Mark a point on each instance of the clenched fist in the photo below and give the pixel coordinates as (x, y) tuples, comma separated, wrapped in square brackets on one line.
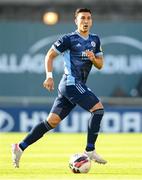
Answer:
[(49, 84)]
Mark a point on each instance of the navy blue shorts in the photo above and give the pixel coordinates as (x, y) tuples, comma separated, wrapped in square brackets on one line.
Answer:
[(73, 95)]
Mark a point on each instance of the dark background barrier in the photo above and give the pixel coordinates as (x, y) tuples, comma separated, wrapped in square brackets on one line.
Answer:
[(116, 119)]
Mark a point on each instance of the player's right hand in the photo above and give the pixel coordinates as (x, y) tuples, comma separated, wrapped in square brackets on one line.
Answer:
[(49, 84)]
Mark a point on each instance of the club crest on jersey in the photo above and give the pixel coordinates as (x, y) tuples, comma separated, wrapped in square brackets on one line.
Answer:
[(93, 43)]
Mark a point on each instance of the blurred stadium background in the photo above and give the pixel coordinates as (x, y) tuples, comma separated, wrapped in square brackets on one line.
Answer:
[(27, 30)]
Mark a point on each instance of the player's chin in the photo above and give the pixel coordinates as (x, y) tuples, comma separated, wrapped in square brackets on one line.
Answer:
[(85, 30)]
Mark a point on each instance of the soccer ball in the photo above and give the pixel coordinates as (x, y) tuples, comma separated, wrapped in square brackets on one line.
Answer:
[(79, 163)]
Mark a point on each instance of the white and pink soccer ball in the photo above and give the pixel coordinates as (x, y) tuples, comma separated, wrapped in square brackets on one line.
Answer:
[(79, 163)]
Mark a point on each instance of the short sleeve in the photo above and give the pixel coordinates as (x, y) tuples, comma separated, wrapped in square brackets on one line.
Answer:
[(62, 44), (98, 50)]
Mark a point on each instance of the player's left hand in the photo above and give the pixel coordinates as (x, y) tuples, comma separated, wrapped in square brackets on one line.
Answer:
[(90, 55)]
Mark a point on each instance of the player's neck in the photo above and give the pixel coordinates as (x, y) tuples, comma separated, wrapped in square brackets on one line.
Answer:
[(84, 34)]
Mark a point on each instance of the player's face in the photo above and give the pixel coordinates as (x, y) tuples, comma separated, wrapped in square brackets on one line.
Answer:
[(83, 22)]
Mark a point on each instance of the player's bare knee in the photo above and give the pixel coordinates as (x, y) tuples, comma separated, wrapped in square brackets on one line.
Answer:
[(97, 107), (53, 119), (53, 123)]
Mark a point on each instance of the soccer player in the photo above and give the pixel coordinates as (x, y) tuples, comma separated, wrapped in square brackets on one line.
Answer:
[(81, 51)]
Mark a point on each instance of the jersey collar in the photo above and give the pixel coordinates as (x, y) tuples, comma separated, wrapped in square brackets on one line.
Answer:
[(85, 38)]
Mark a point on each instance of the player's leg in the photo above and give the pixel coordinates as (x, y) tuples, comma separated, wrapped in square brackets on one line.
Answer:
[(59, 111), (85, 98), (35, 134), (39, 130), (97, 112)]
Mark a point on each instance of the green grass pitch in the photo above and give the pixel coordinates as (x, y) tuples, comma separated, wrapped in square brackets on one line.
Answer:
[(48, 158)]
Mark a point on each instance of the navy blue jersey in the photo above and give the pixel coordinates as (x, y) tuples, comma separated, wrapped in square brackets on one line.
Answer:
[(76, 64)]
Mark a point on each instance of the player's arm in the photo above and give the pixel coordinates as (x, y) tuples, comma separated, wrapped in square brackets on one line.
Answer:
[(57, 48), (49, 82), (96, 60), (97, 56)]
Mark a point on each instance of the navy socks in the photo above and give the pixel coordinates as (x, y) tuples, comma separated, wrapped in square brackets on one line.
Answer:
[(93, 129), (40, 129), (36, 133)]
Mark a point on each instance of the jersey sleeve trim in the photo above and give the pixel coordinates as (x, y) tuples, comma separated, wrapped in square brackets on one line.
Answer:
[(57, 51), (99, 54)]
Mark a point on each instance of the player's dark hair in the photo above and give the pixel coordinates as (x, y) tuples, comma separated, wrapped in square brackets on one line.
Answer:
[(79, 10)]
